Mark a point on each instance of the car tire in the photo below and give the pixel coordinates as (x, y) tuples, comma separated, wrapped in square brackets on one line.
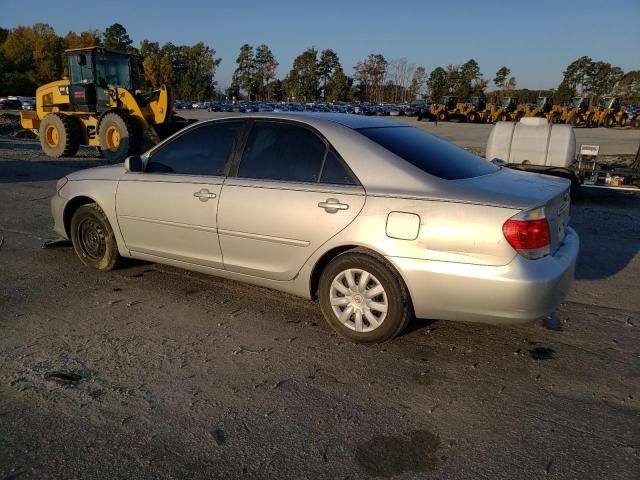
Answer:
[(363, 318), (59, 135), (119, 136), (93, 239)]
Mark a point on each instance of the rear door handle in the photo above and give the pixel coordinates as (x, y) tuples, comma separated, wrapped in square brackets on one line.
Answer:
[(332, 205), (204, 195)]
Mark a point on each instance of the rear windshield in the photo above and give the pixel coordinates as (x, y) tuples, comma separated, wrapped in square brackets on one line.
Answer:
[(429, 153)]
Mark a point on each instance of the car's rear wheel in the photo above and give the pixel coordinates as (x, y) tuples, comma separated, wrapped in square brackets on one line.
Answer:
[(93, 238), (363, 299)]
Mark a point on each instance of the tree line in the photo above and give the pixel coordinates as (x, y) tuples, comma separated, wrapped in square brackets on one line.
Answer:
[(32, 56)]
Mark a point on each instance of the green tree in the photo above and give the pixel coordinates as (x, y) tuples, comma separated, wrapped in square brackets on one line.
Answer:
[(246, 70), (437, 84), (90, 38), (369, 74), (265, 71), (302, 81), (576, 73), (468, 77), (601, 78), (418, 84), (501, 77), (338, 86), (327, 66), (116, 38), (628, 87)]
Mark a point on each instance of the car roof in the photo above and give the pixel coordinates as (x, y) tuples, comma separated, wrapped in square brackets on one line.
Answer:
[(316, 118)]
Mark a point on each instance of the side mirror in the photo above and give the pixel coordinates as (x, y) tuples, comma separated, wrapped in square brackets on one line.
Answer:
[(133, 164)]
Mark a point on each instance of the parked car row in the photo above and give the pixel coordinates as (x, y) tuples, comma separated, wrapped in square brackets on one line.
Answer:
[(338, 107), (17, 103)]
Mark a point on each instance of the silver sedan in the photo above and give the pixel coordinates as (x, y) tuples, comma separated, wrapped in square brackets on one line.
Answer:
[(378, 220)]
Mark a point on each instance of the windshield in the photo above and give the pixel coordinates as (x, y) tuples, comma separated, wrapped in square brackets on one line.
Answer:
[(113, 70), (429, 153), (541, 102), (577, 102)]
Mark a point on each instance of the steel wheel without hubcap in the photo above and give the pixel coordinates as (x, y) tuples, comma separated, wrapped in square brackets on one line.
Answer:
[(92, 239), (358, 300)]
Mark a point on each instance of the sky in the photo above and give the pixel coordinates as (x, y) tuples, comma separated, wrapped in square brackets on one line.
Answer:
[(536, 40)]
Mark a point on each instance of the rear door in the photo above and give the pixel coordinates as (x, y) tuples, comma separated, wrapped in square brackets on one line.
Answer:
[(291, 192), (170, 210)]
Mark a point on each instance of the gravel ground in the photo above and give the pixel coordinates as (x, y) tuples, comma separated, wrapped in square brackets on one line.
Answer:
[(152, 372)]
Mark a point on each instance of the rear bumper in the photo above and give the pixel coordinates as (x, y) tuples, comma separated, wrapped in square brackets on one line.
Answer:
[(522, 291)]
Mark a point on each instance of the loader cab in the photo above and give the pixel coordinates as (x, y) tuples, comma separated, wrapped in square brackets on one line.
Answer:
[(581, 104), (92, 73), (510, 103), (479, 103), (544, 104), (449, 102), (610, 103)]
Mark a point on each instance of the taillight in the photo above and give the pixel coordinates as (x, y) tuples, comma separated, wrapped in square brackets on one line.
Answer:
[(528, 233)]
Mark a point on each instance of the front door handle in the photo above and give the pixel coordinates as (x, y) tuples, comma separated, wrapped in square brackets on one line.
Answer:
[(204, 195), (332, 205)]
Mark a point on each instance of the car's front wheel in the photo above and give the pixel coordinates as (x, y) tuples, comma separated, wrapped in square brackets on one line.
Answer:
[(93, 238), (363, 299)]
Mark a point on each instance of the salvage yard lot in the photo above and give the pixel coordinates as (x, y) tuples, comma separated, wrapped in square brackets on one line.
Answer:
[(181, 375)]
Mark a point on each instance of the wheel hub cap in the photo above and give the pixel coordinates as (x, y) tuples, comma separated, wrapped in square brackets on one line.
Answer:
[(358, 300)]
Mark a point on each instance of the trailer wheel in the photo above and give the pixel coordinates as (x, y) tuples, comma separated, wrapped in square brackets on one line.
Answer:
[(59, 135), (119, 136)]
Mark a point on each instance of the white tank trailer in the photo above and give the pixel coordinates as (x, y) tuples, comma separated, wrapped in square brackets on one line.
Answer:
[(535, 145)]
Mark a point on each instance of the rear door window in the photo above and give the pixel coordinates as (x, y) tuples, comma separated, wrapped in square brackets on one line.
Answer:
[(429, 153), (203, 150), (282, 151)]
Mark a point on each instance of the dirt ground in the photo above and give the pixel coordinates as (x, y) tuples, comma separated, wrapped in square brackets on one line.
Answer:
[(151, 372)]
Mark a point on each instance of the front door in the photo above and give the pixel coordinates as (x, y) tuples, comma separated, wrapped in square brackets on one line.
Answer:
[(290, 195), (170, 210)]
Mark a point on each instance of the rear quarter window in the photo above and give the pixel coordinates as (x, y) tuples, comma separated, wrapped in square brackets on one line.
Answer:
[(429, 153)]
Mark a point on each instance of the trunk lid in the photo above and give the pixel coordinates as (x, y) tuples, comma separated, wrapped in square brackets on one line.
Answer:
[(523, 191)]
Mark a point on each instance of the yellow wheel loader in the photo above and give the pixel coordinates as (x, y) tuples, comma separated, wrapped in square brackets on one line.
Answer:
[(97, 106), (543, 106), (441, 111), (610, 113), (504, 111), (578, 112)]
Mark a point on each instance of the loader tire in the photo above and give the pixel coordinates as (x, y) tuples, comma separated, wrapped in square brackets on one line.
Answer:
[(119, 136), (59, 135), (610, 122), (442, 117), (472, 118), (575, 121)]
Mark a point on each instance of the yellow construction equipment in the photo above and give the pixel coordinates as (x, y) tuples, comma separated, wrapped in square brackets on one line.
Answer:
[(543, 106), (610, 113), (578, 112), (503, 111), (440, 111), (97, 106)]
